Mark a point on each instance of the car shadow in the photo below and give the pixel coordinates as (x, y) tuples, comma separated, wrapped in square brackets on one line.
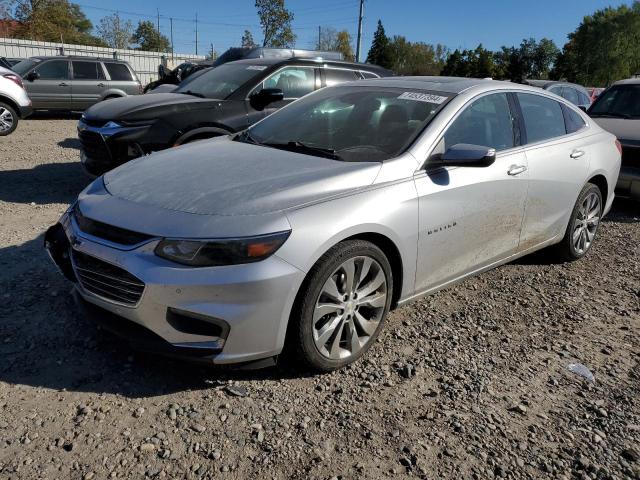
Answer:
[(47, 343), (42, 184), (72, 143), (54, 115)]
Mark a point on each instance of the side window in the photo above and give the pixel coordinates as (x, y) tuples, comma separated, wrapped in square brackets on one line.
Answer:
[(335, 76), (571, 94), (572, 120), (584, 99), (557, 90), (54, 70), (543, 117), (118, 72), (294, 82), (87, 70), (486, 122), (368, 74)]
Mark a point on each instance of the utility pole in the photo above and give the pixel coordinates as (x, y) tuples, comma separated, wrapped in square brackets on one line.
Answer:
[(171, 23), (196, 33), (213, 53), (319, 35), (358, 46), (158, 10)]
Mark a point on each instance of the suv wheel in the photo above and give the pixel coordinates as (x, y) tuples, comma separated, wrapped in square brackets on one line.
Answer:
[(343, 305), (8, 119)]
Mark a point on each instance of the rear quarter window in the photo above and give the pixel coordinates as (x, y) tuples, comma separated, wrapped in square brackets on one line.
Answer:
[(543, 117), (119, 72), (573, 121)]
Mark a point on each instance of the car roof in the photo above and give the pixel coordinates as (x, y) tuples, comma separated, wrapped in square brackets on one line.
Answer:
[(453, 85), (309, 61), (77, 57), (629, 81), (547, 83)]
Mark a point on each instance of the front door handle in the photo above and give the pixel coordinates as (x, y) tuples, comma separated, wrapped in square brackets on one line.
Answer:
[(516, 170), (576, 153), (63, 84)]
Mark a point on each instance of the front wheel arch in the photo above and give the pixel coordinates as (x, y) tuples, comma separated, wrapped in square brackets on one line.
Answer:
[(201, 134)]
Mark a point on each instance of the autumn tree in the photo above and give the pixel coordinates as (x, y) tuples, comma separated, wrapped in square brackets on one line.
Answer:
[(333, 41), (115, 31), (275, 20)]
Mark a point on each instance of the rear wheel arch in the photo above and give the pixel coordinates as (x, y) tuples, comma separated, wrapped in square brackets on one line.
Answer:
[(11, 103), (600, 181)]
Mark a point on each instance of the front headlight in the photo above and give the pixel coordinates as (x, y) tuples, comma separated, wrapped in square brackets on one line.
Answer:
[(213, 253)]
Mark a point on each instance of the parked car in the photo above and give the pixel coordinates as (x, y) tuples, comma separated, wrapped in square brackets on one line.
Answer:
[(306, 228), (9, 62), (617, 110), (219, 101), (242, 53), (576, 94), (174, 77), (75, 83), (14, 101)]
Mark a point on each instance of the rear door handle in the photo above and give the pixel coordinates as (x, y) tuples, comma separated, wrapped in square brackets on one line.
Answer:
[(576, 153), (101, 85), (516, 170), (63, 84)]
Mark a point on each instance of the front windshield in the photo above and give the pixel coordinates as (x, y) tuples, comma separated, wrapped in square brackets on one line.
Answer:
[(619, 101), (350, 123), (24, 66), (222, 81)]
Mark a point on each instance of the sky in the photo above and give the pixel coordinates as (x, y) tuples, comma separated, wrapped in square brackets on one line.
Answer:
[(456, 24)]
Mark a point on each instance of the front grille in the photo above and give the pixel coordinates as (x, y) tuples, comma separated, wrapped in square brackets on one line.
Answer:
[(106, 280), (94, 146), (630, 156), (118, 235)]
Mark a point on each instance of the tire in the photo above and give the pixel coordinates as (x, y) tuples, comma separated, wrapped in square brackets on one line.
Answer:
[(8, 119), (583, 225), (327, 342)]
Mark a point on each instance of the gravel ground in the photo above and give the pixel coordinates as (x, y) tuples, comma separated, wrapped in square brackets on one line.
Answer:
[(469, 383)]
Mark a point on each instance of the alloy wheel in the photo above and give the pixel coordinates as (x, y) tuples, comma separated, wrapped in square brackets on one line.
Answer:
[(349, 308), (6, 119), (586, 223)]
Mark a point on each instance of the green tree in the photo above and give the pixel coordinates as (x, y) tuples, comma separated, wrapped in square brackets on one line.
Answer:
[(417, 58), (456, 65), (149, 38), (275, 20), (604, 48), (380, 53), (115, 31), (51, 21), (247, 40)]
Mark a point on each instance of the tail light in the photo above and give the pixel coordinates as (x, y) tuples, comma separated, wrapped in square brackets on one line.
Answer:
[(619, 146), (14, 78)]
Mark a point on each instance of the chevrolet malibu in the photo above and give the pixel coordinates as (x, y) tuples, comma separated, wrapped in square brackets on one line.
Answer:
[(302, 232)]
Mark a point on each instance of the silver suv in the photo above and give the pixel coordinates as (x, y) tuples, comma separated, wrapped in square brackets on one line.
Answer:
[(14, 101), (75, 83)]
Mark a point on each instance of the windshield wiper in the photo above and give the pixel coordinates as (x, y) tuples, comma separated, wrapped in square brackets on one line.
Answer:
[(297, 146), (246, 137), (195, 94), (611, 114)]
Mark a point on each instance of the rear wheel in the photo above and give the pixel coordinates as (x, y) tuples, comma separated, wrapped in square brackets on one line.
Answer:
[(343, 305), (8, 119), (583, 224)]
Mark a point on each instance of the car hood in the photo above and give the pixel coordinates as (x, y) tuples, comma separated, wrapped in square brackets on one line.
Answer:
[(224, 177), (142, 107), (624, 129)]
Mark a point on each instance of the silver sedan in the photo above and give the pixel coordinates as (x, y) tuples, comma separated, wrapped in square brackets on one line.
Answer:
[(302, 232)]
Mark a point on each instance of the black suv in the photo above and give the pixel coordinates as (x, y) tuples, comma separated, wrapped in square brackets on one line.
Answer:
[(220, 101)]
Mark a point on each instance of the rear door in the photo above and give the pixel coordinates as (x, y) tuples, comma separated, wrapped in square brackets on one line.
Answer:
[(558, 160), (335, 76), (88, 83), (52, 88)]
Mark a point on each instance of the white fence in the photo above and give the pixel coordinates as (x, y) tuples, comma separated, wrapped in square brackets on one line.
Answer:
[(144, 63)]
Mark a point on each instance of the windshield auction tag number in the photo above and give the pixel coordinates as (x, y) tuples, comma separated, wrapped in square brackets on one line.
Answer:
[(256, 67), (422, 97)]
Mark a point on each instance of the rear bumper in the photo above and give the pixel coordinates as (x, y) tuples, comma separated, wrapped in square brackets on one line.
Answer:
[(26, 111), (629, 182)]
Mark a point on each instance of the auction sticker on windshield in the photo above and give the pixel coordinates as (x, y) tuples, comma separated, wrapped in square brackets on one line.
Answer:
[(422, 97)]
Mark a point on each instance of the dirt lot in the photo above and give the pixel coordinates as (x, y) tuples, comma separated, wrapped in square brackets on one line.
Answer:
[(469, 383)]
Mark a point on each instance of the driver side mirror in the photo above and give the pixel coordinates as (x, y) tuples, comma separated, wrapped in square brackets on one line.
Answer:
[(33, 75), (264, 97), (464, 155)]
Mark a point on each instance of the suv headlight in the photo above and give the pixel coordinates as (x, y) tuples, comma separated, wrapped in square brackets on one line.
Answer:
[(213, 253)]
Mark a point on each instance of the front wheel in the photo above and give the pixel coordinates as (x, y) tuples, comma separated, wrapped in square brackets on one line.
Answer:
[(343, 305), (583, 224), (8, 119)]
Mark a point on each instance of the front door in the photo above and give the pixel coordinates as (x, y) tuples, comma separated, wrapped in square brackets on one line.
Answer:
[(472, 217), (52, 88)]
